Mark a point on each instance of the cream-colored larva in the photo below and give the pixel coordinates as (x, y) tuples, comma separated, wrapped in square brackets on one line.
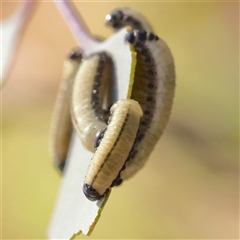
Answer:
[(111, 154), (61, 128), (90, 87), (153, 88)]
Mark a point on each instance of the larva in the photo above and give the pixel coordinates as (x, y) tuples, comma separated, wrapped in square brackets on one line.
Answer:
[(153, 88), (61, 128), (112, 152), (90, 87)]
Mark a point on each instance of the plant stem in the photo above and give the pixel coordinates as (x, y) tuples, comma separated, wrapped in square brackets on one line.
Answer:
[(77, 26)]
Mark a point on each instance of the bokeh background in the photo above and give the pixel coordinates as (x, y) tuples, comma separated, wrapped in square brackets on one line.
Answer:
[(189, 188)]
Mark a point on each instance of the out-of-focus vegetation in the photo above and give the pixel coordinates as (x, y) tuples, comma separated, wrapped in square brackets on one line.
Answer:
[(189, 187)]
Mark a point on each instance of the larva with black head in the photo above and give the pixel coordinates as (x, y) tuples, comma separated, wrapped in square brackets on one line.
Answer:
[(126, 17), (61, 128), (153, 88), (112, 152)]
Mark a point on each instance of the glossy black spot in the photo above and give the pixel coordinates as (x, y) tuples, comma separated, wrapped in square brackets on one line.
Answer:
[(112, 17), (130, 37), (140, 136), (133, 153), (150, 72), (91, 193), (150, 86), (149, 99), (147, 112), (128, 18), (136, 24), (142, 35), (118, 181), (99, 138), (119, 14), (151, 36)]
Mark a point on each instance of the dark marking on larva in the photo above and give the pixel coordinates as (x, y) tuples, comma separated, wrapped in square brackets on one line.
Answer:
[(150, 85), (146, 112), (151, 36), (99, 138), (149, 99), (130, 37), (100, 113), (150, 72), (145, 69), (144, 123), (142, 35)]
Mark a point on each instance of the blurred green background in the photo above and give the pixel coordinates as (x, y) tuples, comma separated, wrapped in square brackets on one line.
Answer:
[(190, 187)]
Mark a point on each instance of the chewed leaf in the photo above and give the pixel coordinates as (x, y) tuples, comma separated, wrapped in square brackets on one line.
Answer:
[(74, 213), (11, 33)]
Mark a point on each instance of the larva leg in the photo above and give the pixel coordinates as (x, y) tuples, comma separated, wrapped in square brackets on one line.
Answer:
[(89, 90), (61, 128), (113, 149)]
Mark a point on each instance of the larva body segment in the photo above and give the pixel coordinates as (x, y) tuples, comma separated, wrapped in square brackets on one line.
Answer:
[(61, 127), (89, 89), (111, 154)]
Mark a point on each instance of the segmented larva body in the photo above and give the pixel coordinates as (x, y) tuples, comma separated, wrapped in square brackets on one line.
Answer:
[(61, 129), (89, 90), (116, 143), (153, 88), (122, 143)]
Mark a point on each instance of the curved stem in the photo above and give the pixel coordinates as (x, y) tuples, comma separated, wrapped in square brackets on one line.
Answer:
[(77, 26)]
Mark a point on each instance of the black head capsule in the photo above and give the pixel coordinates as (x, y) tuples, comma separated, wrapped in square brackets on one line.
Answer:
[(114, 19), (91, 193)]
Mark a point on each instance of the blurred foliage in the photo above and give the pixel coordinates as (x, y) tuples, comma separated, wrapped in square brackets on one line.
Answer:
[(189, 188)]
